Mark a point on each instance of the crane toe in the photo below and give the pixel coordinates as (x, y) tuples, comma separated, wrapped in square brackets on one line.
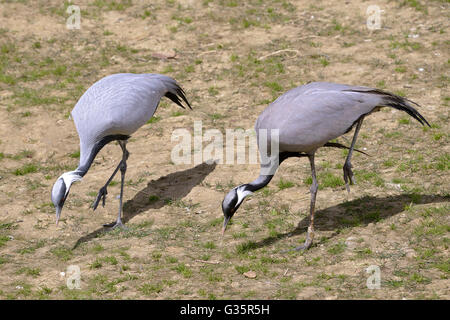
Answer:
[(348, 176), (115, 225), (100, 196)]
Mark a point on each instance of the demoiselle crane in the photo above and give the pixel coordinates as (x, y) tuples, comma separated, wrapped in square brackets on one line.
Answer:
[(112, 109), (307, 118)]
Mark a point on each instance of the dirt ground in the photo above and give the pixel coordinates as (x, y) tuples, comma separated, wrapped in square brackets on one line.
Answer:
[(232, 58)]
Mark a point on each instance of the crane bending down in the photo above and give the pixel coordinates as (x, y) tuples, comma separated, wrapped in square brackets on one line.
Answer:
[(307, 118), (112, 109)]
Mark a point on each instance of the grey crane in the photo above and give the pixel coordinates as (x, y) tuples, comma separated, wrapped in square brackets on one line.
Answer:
[(307, 118), (112, 109)]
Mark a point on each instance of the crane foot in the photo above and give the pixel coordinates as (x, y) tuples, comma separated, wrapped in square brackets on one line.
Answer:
[(100, 196), (348, 176), (114, 225)]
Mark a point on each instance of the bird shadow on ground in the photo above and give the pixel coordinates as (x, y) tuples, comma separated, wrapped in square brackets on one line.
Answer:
[(157, 194), (358, 212), (165, 190)]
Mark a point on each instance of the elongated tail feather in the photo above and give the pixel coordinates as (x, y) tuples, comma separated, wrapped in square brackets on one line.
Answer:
[(397, 102), (341, 146)]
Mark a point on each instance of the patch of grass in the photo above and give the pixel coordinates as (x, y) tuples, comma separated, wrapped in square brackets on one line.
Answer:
[(189, 68), (110, 5), (59, 70), (324, 62), (62, 253), (31, 97), (8, 226), (32, 248), (389, 163), (404, 121), (96, 264), (395, 283), (416, 5), (98, 248), (430, 227), (34, 272), (284, 184), (171, 259), (442, 162), (111, 260), (75, 155), (23, 154), (330, 180), (151, 288), (213, 91), (3, 240), (182, 269), (209, 245), (26, 169), (153, 119), (337, 248), (443, 266), (153, 199), (177, 113), (274, 86), (401, 69), (7, 79), (245, 247), (419, 278), (364, 252)]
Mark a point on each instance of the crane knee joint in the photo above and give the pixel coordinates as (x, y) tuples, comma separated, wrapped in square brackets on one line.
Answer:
[(123, 167)]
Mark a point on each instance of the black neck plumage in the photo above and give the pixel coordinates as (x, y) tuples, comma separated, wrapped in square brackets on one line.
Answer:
[(84, 167), (264, 180)]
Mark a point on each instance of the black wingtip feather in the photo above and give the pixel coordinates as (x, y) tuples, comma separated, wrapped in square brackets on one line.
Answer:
[(399, 103), (175, 99), (177, 95), (182, 94)]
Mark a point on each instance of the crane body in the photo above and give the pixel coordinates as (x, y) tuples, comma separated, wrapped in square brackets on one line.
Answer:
[(112, 109), (307, 118)]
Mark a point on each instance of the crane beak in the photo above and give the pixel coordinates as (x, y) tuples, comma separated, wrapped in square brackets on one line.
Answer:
[(225, 222), (58, 214)]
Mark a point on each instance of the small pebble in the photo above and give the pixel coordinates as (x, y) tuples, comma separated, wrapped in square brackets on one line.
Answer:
[(250, 274)]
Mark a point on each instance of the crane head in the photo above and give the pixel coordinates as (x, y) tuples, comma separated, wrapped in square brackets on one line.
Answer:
[(59, 196), (61, 189), (232, 201)]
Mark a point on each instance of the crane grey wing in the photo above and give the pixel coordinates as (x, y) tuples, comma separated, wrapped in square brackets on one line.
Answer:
[(120, 104), (309, 116)]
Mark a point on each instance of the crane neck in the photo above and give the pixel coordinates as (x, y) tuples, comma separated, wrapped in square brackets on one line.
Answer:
[(89, 152), (264, 179)]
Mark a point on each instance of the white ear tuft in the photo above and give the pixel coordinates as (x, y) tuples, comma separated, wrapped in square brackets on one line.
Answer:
[(242, 193), (69, 178)]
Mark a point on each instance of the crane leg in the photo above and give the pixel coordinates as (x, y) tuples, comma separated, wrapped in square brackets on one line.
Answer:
[(348, 173), (313, 189), (123, 168), (104, 190)]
